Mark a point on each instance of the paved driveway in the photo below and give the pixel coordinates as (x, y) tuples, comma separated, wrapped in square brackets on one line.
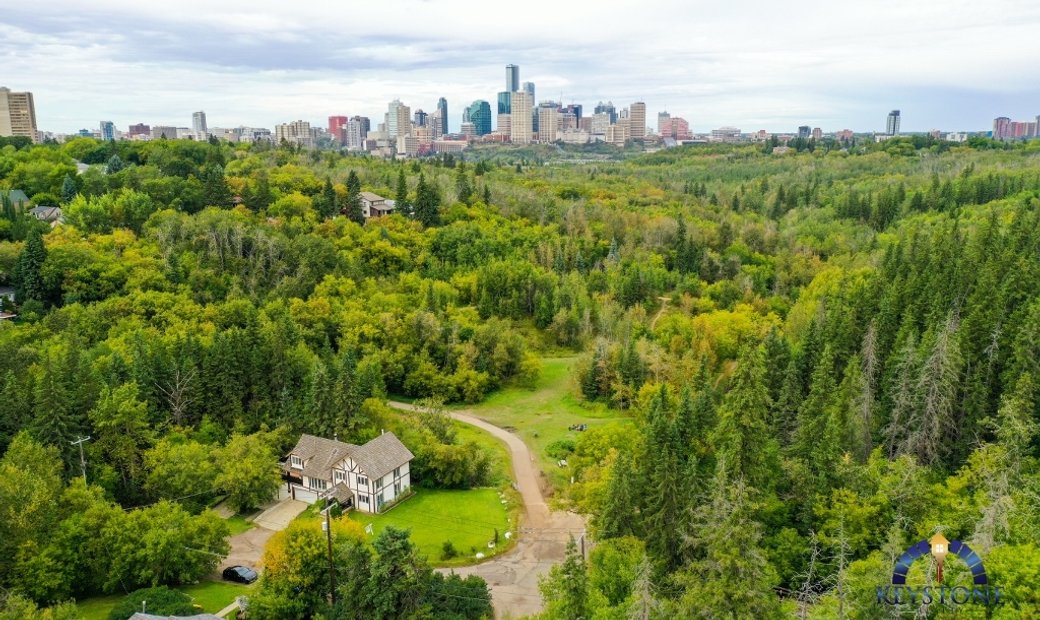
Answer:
[(248, 547)]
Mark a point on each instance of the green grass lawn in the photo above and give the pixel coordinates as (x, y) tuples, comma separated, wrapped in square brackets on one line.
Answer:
[(238, 524), (542, 415), (211, 595), (467, 518)]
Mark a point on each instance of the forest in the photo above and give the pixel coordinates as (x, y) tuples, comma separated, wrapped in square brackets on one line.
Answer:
[(828, 356)]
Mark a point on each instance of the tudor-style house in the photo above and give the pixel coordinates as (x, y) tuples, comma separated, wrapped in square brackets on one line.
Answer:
[(365, 477), (374, 205)]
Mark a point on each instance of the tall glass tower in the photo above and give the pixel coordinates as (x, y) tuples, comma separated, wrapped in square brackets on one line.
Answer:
[(442, 107), (512, 78), (479, 114), (505, 102)]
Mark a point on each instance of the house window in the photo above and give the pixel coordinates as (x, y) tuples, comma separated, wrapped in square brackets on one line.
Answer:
[(397, 472), (338, 476), (295, 461), (397, 489), (317, 484), (364, 499), (362, 481)]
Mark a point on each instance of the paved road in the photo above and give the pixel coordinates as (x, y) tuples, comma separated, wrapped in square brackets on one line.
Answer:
[(544, 533)]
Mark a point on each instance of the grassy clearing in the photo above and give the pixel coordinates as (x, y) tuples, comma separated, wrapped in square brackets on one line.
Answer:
[(238, 524), (212, 596), (543, 414), (467, 518)]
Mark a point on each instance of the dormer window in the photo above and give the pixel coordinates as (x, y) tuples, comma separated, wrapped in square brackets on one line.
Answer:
[(295, 461)]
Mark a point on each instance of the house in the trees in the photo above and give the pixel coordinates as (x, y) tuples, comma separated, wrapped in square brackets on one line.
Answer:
[(374, 205), (51, 215), (17, 197), (366, 477)]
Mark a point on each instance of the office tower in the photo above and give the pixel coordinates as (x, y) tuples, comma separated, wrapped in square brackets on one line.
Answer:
[(504, 101), (803, 131), (680, 128), (357, 131), (520, 124), (637, 121), (608, 109), (599, 123), (817, 133), (296, 132), (420, 118), (336, 123), (504, 124), (442, 107), (512, 78), (17, 115), (140, 129), (664, 125), (435, 124), (108, 130), (198, 123), (892, 126), (548, 121), (398, 119), (161, 131), (528, 87), (479, 113), (575, 109), (1001, 128), (467, 129), (567, 120)]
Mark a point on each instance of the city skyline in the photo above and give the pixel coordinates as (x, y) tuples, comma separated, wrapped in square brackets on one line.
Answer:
[(259, 64)]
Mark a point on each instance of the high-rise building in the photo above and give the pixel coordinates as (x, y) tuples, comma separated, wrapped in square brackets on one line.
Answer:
[(108, 130), (548, 121), (435, 124), (467, 129), (575, 109), (804, 131), (198, 124), (512, 78), (817, 133), (600, 122), (607, 108), (892, 125), (520, 131), (479, 113), (296, 132), (442, 107), (140, 129), (336, 123), (420, 118), (398, 119), (1001, 128), (680, 128), (357, 131), (17, 115), (504, 102), (637, 121), (528, 87), (664, 125), (504, 124), (160, 132)]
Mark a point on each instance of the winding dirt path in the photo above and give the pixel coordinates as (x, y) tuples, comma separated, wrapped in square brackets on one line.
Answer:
[(513, 576)]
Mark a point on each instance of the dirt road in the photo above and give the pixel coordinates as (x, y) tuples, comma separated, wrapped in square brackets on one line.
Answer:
[(544, 533)]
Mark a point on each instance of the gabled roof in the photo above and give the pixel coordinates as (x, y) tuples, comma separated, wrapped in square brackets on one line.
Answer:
[(369, 196), (377, 457), (380, 456), (45, 213), (17, 196)]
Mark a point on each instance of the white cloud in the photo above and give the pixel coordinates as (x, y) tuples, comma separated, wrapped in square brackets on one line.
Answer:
[(753, 64)]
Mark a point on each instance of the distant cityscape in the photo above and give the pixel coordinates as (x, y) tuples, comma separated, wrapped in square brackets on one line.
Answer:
[(517, 120)]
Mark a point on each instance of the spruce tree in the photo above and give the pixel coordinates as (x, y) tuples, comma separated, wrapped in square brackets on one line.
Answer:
[(744, 442), (354, 209), (427, 203), (401, 195), (68, 189), (618, 516), (28, 281), (327, 201)]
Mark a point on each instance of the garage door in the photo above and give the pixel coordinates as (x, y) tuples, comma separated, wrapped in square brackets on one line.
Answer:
[(304, 495)]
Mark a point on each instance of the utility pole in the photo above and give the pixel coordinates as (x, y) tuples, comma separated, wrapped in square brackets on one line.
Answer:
[(82, 459), (328, 538)]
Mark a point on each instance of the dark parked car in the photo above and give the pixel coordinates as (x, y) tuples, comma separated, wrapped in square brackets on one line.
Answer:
[(240, 574)]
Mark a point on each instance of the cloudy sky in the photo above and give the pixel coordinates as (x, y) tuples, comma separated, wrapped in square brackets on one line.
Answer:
[(949, 64)]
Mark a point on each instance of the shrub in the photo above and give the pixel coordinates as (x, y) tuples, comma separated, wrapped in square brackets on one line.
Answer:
[(160, 601), (448, 550), (560, 449)]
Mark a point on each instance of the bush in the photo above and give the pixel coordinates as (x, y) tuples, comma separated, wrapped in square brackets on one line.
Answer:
[(448, 550), (560, 449), (160, 601)]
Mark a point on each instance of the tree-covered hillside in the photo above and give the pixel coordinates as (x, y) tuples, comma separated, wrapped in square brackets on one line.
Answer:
[(830, 354)]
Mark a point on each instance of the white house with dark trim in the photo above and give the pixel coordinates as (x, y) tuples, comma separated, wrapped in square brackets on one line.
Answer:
[(365, 477), (374, 205)]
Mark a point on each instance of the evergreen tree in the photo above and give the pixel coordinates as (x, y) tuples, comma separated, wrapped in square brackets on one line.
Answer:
[(216, 191), (115, 164), (354, 209), (463, 188), (487, 195), (427, 203), (28, 281), (744, 443), (327, 202), (68, 189), (401, 203), (618, 517), (261, 197), (565, 589)]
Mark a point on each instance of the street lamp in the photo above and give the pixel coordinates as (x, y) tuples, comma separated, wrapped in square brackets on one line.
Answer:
[(940, 547)]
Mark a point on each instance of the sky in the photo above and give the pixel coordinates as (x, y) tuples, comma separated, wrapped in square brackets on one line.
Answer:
[(753, 64)]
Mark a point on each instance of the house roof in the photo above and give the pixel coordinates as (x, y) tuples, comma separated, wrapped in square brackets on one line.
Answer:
[(17, 196), (45, 213), (369, 196), (377, 457), (341, 493)]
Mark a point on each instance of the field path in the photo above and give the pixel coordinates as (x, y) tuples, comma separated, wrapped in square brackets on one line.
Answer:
[(544, 533)]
